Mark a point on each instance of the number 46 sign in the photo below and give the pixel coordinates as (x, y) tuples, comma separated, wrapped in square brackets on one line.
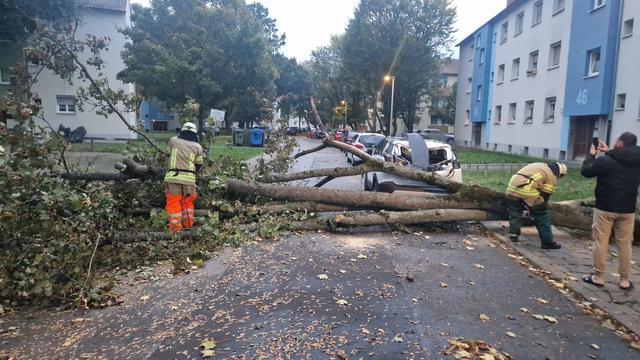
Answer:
[(583, 97)]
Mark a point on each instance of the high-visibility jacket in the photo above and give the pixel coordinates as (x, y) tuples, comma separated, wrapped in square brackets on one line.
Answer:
[(531, 181), (184, 157)]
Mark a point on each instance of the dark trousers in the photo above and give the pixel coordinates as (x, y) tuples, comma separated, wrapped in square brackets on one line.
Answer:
[(540, 213)]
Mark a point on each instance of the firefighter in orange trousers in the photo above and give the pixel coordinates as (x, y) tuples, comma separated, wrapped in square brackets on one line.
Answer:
[(180, 180)]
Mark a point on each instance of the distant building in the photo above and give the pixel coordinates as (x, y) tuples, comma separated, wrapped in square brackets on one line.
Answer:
[(543, 77), (100, 18), (155, 117)]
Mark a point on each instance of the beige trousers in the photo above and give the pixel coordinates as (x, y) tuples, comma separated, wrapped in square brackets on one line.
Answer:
[(622, 226)]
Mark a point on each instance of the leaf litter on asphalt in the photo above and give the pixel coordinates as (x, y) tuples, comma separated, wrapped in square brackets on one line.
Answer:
[(474, 349)]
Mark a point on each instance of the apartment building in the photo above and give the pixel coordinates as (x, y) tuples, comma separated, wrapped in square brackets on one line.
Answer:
[(545, 76)]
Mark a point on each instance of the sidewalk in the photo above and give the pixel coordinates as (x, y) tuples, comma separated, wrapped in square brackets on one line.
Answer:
[(574, 260)]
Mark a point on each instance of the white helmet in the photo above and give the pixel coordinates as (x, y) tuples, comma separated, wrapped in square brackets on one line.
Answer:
[(189, 126)]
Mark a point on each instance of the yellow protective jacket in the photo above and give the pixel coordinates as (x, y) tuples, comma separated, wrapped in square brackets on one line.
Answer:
[(184, 156), (531, 181)]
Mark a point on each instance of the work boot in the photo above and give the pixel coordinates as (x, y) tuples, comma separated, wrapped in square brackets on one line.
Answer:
[(513, 238), (551, 246)]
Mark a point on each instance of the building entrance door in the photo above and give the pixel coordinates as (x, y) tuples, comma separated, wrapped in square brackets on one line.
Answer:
[(583, 127), (476, 131)]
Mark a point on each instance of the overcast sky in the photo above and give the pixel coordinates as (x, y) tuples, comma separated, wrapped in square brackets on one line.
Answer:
[(309, 24)]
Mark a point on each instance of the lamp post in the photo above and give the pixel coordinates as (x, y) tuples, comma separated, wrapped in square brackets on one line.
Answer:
[(346, 110), (393, 87)]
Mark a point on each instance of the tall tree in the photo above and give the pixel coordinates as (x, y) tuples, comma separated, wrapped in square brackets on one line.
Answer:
[(19, 18), (403, 38), (214, 51), (293, 88)]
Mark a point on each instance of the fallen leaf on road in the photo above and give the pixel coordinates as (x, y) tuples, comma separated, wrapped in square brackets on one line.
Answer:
[(144, 298), (361, 256), (538, 316), (474, 349), (343, 271), (551, 319), (444, 264), (478, 266), (208, 353), (462, 354), (323, 277), (487, 357), (524, 310), (208, 345), (342, 302), (397, 339), (595, 346), (510, 334), (469, 248), (365, 331), (443, 285), (542, 301), (484, 317)]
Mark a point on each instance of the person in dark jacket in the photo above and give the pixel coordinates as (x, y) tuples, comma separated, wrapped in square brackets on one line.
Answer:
[(618, 177)]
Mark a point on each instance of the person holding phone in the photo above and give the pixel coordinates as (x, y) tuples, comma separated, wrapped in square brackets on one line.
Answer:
[(617, 176)]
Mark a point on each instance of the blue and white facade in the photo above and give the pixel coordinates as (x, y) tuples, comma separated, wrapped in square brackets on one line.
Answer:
[(543, 77)]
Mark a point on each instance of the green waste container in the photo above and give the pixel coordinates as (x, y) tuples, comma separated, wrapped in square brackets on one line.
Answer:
[(238, 137)]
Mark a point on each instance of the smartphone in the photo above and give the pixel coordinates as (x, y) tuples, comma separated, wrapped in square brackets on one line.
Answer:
[(596, 142)]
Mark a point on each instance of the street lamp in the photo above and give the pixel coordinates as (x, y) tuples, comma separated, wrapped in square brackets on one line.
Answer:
[(346, 110), (393, 87)]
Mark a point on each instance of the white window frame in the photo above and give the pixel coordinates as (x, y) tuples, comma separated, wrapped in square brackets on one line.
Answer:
[(467, 118), (69, 102), (498, 115), (535, 20), (552, 48), (598, 4), (504, 32), (470, 85), (594, 70), (550, 107), (479, 96), (515, 69), (501, 71), (513, 113), (621, 101), (534, 62), (529, 107), (625, 32), (481, 56), (558, 6), (519, 24), (4, 70)]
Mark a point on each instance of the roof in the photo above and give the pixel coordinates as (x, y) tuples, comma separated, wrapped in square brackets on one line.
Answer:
[(449, 67), (510, 6), (114, 5)]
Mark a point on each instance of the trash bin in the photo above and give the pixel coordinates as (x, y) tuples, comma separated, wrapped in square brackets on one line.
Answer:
[(238, 137), (256, 137)]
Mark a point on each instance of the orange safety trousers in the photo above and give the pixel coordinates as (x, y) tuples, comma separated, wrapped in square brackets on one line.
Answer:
[(181, 211)]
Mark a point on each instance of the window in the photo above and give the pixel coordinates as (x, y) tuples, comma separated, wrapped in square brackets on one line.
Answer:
[(554, 55), (500, 74), (550, 109), (597, 4), (66, 104), (545, 153), (594, 62), (478, 40), (498, 115), (515, 69), (525, 151), (510, 148), (533, 64), (4, 75), (469, 82), (492, 77), (528, 112), (481, 56), (621, 100), (479, 96), (558, 5), (627, 28), (467, 117), (512, 113), (519, 23), (495, 146), (537, 13), (504, 33)]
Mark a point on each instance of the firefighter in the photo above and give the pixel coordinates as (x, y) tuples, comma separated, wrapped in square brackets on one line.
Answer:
[(531, 187), (180, 180)]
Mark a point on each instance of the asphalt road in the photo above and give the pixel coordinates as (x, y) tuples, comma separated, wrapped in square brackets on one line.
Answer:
[(370, 294)]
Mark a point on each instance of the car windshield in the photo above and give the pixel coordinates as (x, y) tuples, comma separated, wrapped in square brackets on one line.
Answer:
[(370, 140), (436, 156), (380, 147)]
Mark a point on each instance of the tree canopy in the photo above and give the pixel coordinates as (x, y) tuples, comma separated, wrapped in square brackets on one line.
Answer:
[(216, 52), (19, 18)]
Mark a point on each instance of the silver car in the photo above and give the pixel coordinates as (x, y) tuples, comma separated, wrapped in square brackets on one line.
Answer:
[(414, 151), (366, 142)]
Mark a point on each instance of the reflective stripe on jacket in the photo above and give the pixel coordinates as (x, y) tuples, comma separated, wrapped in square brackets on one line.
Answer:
[(531, 180), (182, 161)]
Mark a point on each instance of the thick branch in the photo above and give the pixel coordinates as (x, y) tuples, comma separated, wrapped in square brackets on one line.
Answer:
[(310, 151)]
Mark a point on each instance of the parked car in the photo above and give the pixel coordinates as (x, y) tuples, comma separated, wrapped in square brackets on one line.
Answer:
[(437, 135), (366, 142), (428, 155), (349, 136), (291, 130)]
